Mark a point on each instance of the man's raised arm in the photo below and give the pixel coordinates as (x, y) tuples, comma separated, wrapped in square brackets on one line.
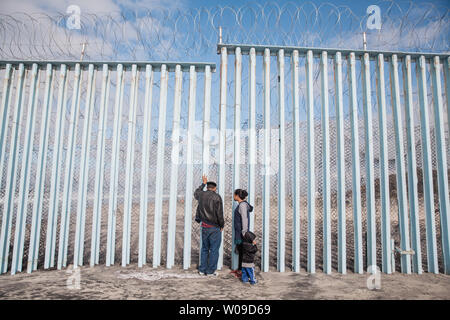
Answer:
[(198, 191)]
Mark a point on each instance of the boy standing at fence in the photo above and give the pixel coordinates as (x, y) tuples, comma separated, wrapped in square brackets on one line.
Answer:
[(249, 250)]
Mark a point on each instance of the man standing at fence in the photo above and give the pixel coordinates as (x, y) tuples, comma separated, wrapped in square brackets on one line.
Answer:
[(210, 216)]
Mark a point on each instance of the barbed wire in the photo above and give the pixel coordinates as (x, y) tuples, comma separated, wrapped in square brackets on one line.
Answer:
[(193, 34)]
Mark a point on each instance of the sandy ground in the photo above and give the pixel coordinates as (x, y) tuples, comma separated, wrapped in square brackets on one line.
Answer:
[(116, 282)]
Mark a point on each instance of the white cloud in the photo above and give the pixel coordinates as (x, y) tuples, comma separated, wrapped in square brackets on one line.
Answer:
[(86, 6), (428, 36), (32, 34), (56, 6)]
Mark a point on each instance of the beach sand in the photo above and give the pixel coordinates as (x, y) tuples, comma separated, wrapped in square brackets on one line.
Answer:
[(132, 282)]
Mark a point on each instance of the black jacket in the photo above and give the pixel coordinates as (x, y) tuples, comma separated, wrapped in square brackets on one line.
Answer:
[(248, 248), (210, 207)]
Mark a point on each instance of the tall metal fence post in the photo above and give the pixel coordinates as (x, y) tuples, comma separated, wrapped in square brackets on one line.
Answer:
[(112, 207), (401, 182), (22, 207), (33, 248), (296, 158), (370, 179), (356, 174), (441, 157), (52, 215), (160, 167), (189, 170), (412, 167), (384, 169), (281, 166), (84, 168), (99, 167), (267, 165), (311, 265), (69, 171), (252, 134), (237, 147), (428, 193), (175, 161), (339, 103), (11, 171), (222, 133), (326, 163), (128, 194)]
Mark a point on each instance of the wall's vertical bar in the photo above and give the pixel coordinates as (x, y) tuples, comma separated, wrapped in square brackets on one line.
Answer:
[(428, 194), (173, 195), (206, 121), (205, 150), (84, 168), (50, 241), (339, 103), (296, 158), (33, 249), (128, 196), (133, 141), (4, 114), (206, 142), (384, 169), (252, 134), (11, 172), (267, 165), (145, 158), (447, 90), (412, 168), (401, 179), (309, 66), (237, 145), (189, 169), (441, 157), (69, 171), (222, 130), (370, 183), (112, 206), (160, 167), (21, 213), (326, 164), (281, 167), (356, 175), (99, 168), (22, 206)]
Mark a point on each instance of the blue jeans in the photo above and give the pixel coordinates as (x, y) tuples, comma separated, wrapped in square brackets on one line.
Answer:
[(211, 239), (248, 274)]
